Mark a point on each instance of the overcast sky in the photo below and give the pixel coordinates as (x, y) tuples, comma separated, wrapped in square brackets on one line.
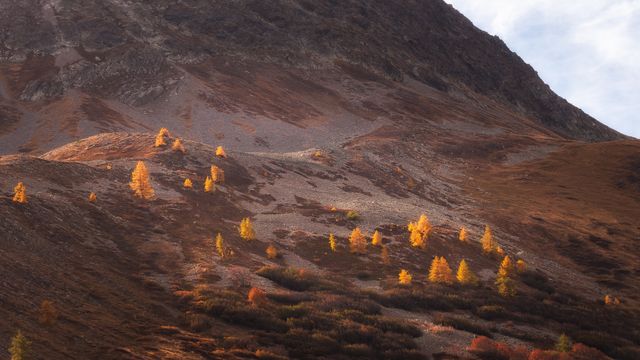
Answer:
[(588, 51)]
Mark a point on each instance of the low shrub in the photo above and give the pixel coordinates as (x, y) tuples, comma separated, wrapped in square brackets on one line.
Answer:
[(462, 324)]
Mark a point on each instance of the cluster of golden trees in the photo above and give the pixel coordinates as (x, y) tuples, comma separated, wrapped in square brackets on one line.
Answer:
[(440, 271)]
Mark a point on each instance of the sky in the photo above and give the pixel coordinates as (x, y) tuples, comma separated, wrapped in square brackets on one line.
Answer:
[(588, 51)]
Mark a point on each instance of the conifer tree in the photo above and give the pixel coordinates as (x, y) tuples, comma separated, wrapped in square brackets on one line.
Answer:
[(47, 314), (220, 152), (217, 175), (404, 278), (357, 241), (20, 193), (160, 141), (564, 344), (140, 183), (220, 246), (504, 279), (488, 243), (246, 229), (177, 146), (187, 184), (464, 275), (20, 347), (272, 252), (332, 243), (208, 184), (440, 272), (423, 225), (384, 254), (499, 250), (376, 239), (521, 266), (462, 236), (93, 197), (416, 239)]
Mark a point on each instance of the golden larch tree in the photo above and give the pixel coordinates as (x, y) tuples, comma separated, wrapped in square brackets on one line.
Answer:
[(357, 241), (271, 252), (93, 197), (332, 243), (440, 272), (487, 241), (217, 175), (504, 279), (220, 246), (20, 193), (521, 266), (499, 250), (464, 275), (246, 229), (20, 348), (422, 225), (404, 278), (160, 137), (384, 255), (462, 236), (208, 184), (187, 184), (416, 239), (376, 239), (177, 146), (220, 152), (140, 183)]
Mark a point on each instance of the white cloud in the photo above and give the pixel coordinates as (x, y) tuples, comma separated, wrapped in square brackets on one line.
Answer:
[(587, 51)]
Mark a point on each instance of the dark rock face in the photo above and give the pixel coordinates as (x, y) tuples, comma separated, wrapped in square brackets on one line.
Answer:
[(143, 42)]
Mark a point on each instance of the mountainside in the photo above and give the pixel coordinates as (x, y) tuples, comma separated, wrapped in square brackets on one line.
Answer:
[(334, 115)]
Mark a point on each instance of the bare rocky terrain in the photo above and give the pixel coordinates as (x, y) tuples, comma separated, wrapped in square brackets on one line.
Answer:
[(323, 108)]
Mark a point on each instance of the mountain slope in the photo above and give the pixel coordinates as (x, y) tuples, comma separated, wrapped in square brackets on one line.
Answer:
[(334, 115)]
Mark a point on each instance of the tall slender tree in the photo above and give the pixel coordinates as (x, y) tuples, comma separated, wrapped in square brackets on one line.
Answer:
[(404, 278), (376, 239), (504, 279), (140, 183), (246, 229), (464, 275)]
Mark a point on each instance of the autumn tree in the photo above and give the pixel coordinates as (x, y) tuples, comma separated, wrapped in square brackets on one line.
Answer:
[(187, 184), (271, 252), (384, 255), (504, 279), (376, 239), (416, 239), (220, 152), (217, 175), (521, 266), (20, 347), (419, 232), (20, 193), (440, 272), (92, 197), (487, 241), (140, 183), (462, 236), (47, 314), (257, 297), (177, 146), (357, 241), (332, 243), (464, 275), (404, 278), (611, 300), (220, 246), (160, 137), (564, 344), (246, 229), (208, 184)]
